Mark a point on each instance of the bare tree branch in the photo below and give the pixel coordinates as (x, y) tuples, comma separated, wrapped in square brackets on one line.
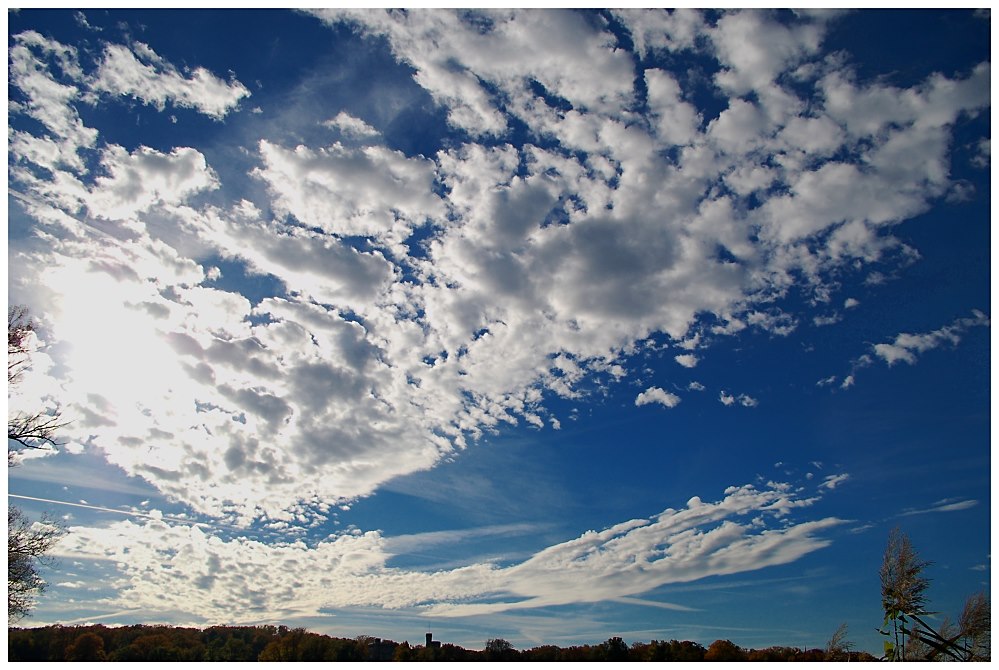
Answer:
[(28, 544), (35, 431)]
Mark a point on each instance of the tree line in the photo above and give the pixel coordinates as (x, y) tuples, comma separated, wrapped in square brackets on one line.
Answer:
[(270, 643)]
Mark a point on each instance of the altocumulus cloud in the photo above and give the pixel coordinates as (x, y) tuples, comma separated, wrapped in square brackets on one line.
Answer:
[(418, 302)]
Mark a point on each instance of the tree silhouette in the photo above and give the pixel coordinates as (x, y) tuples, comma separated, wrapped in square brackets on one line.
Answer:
[(498, 649), (725, 650), (32, 431), (87, 647), (28, 543)]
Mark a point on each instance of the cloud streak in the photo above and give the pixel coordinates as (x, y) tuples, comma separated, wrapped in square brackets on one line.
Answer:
[(947, 505)]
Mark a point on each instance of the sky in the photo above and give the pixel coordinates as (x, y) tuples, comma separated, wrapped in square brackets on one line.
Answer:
[(549, 326)]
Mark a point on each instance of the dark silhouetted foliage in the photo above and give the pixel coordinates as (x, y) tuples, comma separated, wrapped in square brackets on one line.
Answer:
[(725, 650), (499, 649), (88, 647), (283, 644)]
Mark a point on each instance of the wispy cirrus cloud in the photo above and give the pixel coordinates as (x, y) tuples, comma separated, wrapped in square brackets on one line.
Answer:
[(945, 505)]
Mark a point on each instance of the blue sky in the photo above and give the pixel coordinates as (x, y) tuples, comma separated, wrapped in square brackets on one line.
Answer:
[(548, 325)]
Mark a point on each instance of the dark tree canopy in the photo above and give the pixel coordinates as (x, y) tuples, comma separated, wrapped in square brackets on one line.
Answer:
[(262, 643)]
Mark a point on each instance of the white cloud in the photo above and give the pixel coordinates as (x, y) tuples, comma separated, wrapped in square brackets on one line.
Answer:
[(655, 29), (826, 320), (49, 100), (728, 399), (185, 572), (677, 121), (419, 542), (81, 20), (687, 360), (907, 346), (755, 50), (506, 49), (143, 74), (134, 182), (814, 136), (983, 157), (656, 395), (351, 126), (832, 481), (937, 103), (371, 191)]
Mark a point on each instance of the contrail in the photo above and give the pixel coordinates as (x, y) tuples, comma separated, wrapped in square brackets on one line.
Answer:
[(119, 511)]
